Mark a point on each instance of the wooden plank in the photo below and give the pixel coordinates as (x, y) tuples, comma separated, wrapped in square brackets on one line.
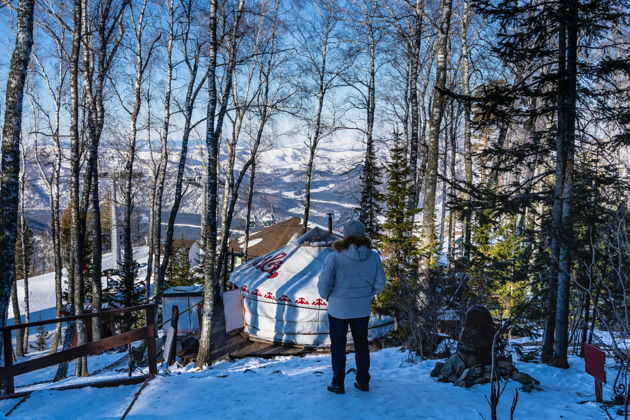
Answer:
[(108, 383), (15, 395), (150, 341), (132, 380), (76, 352), (169, 346), (82, 316), (171, 337)]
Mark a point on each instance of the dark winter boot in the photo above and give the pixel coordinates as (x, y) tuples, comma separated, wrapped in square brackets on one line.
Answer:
[(364, 388), (336, 389)]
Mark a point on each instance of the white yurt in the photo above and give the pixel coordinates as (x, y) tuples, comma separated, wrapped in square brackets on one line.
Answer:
[(280, 299)]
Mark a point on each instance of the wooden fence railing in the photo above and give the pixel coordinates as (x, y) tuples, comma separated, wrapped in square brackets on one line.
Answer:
[(148, 333)]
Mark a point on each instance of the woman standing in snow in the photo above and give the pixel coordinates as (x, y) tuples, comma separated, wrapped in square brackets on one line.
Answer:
[(351, 276)]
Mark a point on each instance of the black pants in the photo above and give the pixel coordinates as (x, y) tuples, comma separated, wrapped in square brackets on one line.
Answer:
[(338, 331)]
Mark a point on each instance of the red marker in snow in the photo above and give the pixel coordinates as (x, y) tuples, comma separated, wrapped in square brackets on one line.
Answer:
[(594, 361)]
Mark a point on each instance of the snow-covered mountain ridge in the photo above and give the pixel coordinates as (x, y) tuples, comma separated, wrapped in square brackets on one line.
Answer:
[(279, 184)]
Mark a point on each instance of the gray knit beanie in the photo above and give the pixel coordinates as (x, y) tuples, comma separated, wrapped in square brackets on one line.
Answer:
[(353, 227)]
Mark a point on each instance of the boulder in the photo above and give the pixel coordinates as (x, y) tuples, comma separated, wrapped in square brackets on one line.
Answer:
[(528, 388), (481, 380), (505, 364), (437, 369), (523, 378), (469, 377), (453, 366), (476, 337)]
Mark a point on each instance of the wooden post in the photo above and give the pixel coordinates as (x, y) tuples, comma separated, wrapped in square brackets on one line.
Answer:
[(151, 352), (598, 391), (174, 325), (225, 273), (9, 385)]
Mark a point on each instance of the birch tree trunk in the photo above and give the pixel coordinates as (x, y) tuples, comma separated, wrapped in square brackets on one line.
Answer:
[(314, 142), (248, 217), (88, 71), (430, 247), (192, 57), (142, 60), (75, 203), (53, 160), (209, 234), (156, 222), (214, 126), (468, 163), (370, 197), (264, 103), (414, 44), (317, 46), (429, 242), (10, 165), (17, 320), (129, 272), (25, 257), (97, 63)]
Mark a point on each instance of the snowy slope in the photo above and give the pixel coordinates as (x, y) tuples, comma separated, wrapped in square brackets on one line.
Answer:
[(42, 289), (294, 388)]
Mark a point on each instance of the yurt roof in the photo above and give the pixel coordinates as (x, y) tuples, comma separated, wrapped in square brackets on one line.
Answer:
[(288, 275)]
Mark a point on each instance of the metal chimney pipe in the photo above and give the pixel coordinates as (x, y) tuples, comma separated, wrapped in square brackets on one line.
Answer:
[(330, 215)]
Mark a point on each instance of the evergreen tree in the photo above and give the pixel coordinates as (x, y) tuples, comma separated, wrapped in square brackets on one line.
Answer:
[(41, 339), (538, 42), (371, 197), (178, 272), (399, 244)]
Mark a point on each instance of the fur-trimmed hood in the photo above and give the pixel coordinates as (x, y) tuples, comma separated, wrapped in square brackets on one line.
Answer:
[(358, 241)]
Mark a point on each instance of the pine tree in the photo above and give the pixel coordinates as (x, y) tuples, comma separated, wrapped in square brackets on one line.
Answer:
[(539, 43), (41, 339), (371, 197), (399, 245), (179, 272)]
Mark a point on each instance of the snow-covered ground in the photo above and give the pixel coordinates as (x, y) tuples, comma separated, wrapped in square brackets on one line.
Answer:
[(294, 387), (290, 387), (42, 288)]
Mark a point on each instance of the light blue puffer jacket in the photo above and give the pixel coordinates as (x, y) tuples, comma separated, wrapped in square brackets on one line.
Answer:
[(350, 278)]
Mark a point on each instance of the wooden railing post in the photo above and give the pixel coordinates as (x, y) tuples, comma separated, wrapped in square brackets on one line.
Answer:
[(151, 350), (148, 334), (9, 385)]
